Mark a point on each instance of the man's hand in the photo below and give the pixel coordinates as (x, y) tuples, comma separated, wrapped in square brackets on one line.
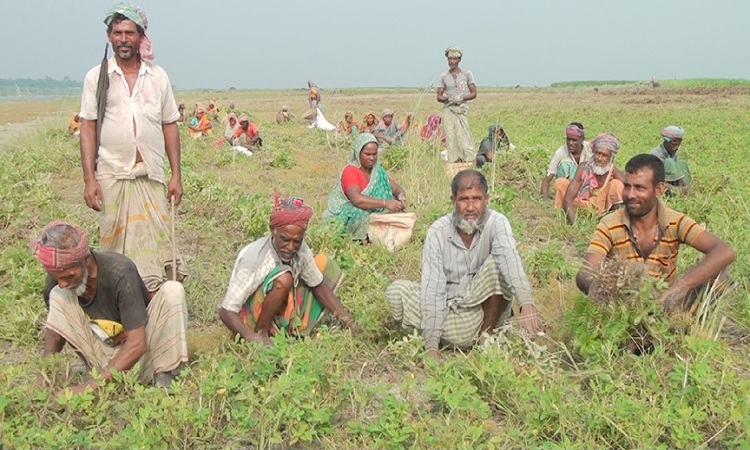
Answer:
[(92, 193), (353, 326), (672, 299), (529, 320), (434, 355), (174, 188)]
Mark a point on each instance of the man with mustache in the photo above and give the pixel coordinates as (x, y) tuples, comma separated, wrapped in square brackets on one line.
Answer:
[(277, 285), (100, 306), (597, 183), (676, 170), (648, 232), (123, 162), (565, 161), (472, 273)]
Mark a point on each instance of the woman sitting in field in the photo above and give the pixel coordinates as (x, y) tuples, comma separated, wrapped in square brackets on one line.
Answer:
[(433, 131), (369, 123), (363, 188), (231, 126), (348, 125)]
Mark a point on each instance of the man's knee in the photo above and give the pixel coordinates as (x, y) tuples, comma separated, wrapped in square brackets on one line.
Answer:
[(283, 282), (172, 292)]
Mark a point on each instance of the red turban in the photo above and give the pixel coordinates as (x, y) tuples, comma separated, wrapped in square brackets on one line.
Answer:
[(55, 259), (290, 211)]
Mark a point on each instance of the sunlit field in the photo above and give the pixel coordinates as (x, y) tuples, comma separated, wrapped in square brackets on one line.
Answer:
[(575, 387)]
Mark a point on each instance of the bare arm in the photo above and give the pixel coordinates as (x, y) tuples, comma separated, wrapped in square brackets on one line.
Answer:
[(92, 192), (718, 256), (472, 92), (131, 351), (618, 175), (361, 201), (235, 324), (172, 147), (332, 303), (545, 186), (441, 97), (585, 276), (398, 191), (570, 195), (53, 342)]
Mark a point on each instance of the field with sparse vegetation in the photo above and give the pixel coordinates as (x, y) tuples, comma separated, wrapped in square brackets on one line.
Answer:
[(573, 388)]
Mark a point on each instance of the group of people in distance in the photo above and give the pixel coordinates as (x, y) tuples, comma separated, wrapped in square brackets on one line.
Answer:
[(125, 303), (586, 176)]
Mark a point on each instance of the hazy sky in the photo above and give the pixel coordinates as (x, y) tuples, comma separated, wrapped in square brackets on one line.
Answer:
[(337, 43)]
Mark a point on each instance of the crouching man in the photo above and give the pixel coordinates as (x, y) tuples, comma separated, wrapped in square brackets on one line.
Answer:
[(471, 271), (102, 308), (277, 285)]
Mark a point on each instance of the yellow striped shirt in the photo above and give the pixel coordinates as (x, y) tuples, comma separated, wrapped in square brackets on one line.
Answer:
[(614, 238)]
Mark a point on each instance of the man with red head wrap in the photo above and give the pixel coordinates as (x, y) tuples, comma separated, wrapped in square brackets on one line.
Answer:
[(277, 284), (99, 304)]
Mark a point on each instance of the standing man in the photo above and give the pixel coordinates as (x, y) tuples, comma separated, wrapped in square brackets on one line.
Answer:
[(457, 88), (124, 176)]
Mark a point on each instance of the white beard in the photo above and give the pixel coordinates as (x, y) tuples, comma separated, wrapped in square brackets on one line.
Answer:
[(81, 288), (470, 226), (602, 170)]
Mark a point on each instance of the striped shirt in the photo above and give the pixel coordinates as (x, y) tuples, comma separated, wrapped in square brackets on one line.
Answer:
[(614, 238), (448, 268), (254, 263)]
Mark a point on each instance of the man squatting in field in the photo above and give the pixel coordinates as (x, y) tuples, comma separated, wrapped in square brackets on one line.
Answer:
[(648, 232), (124, 175), (102, 308), (471, 271), (277, 285), (597, 183), (457, 87), (676, 170)]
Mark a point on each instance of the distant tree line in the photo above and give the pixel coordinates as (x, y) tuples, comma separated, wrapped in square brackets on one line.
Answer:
[(23, 87)]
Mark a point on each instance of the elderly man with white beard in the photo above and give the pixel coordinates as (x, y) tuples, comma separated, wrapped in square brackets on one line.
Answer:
[(597, 183), (472, 273)]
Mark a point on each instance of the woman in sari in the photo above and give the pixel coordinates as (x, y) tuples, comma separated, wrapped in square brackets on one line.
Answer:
[(369, 123), (348, 125), (433, 131), (363, 188)]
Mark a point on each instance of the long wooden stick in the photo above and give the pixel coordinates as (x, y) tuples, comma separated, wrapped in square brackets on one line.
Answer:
[(174, 244)]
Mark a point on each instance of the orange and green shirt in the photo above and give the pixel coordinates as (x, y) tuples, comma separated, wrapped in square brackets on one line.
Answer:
[(614, 238)]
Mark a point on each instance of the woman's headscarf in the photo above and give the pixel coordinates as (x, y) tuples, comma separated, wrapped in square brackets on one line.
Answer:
[(359, 143), (433, 122)]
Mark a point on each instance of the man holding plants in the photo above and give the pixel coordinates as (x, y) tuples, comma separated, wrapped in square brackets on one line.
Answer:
[(277, 285), (648, 232), (101, 307), (129, 124), (457, 87), (471, 271)]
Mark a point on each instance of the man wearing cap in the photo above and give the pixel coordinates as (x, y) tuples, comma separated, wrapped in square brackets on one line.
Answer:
[(277, 285), (247, 134), (456, 89), (565, 161), (123, 170), (102, 308), (388, 131), (597, 183), (676, 170)]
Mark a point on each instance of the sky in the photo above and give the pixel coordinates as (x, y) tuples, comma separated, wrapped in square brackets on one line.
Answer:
[(388, 43)]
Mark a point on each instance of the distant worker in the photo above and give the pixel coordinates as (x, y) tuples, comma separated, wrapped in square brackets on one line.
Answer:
[(456, 89), (284, 115), (676, 170), (565, 161)]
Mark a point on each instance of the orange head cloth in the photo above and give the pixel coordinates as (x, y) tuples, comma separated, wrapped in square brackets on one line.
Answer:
[(56, 259), (290, 211)]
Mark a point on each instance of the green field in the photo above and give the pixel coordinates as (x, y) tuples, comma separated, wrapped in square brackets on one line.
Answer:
[(574, 388)]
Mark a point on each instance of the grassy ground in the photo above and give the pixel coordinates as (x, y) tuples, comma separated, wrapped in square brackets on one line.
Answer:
[(574, 388)]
